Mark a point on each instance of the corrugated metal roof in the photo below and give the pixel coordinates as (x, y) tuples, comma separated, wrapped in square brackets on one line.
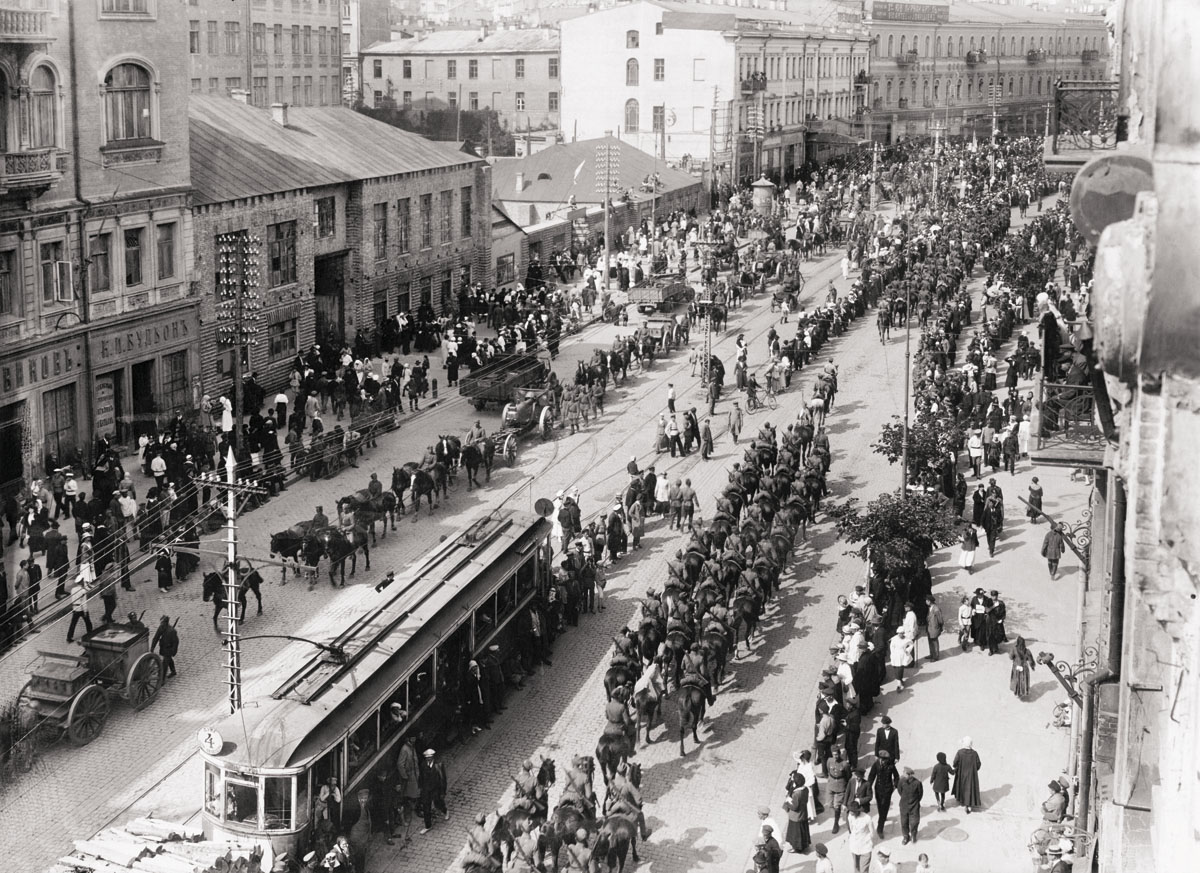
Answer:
[(559, 164), (238, 151), (459, 42)]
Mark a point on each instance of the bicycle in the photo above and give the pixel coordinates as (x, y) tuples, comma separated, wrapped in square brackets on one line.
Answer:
[(771, 400)]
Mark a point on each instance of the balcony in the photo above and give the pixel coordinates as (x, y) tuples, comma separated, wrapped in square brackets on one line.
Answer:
[(20, 22), (30, 171), (861, 78), (1090, 56), (975, 57), (757, 82), (1035, 57), (908, 59), (1065, 428), (902, 103)]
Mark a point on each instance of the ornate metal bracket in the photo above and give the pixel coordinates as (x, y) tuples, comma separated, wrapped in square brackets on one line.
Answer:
[(1070, 676)]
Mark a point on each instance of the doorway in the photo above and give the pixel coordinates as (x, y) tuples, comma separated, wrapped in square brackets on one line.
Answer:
[(143, 399), (12, 437), (330, 293)]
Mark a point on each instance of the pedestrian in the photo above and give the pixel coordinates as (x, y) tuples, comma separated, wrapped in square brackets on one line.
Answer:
[(883, 777), (671, 398), (939, 779), (798, 835), (771, 848), (977, 501), (860, 842), (993, 521), (735, 421), (922, 864), (79, 608), (163, 567), (966, 776), (997, 612), (675, 502), (884, 864), (970, 542), (911, 791), (900, 655), (432, 779), (887, 739), (766, 825), (824, 865), (964, 623), (1052, 548), (166, 640), (934, 625), (1034, 512), (690, 503), (706, 440), (1022, 667), (838, 774), (673, 437)]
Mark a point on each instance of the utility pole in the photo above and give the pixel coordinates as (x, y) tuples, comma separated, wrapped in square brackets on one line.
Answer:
[(907, 402), (936, 125), (608, 163), (237, 282), (233, 488), (874, 175)]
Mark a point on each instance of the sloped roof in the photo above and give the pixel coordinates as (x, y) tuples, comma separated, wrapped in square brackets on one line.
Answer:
[(459, 42), (815, 15), (238, 151), (988, 13), (559, 163)]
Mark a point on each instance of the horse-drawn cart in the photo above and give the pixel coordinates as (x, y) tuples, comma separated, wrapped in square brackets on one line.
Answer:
[(660, 296), (495, 381), (665, 333), (71, 695), (531, 409)]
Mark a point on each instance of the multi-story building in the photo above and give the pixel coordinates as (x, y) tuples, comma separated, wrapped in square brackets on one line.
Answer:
[(733, 87), (364, 23), (347, 220), (279, 51), (98, 322), (513, 72), (959, 62)]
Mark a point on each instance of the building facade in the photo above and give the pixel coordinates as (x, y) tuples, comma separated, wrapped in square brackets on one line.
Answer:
[(346, 220), (364, 24), (731, 88), (98, 321), (278, 51), (513, 72), (959, 62)]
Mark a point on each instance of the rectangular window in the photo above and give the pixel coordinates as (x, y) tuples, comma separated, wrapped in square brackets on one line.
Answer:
[(295, 89), (280, 97), (233, 83), (258, 38), (283, 338), (281, 253), (473, 101), (214, 39), (233, 37), (194, 37), (277, 39), (10, 288), (176, 392), (406, 99), (133, 256), (56, 272), (426, 221), (100, 263), (308, 97), (295, 40), (552, 68), (553, 101), (404, 297), (214, 85), (403, 224), (322, 87), (197, 85), (451, 69), (381, 230), (445, 216), (326, 210), (520, 101), (308, 39), (406, 68), (259, 93), (165, 245), (660, 69), (321, 44), (519, 71), (473, 69), (425, 288), (656, 118), (464, 209), (377, 68), (506, 269), (128, 7)]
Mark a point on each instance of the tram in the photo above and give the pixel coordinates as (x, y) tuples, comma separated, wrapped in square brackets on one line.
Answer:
[(393, 672)]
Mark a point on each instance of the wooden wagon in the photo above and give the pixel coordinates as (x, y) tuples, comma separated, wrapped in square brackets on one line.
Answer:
[(496, 381), (71, 695), (661, 296)]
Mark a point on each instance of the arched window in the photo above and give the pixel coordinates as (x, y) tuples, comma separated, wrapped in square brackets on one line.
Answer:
[(926, 46), (1042, 43), (631, 39), (127, 109), (1058, 46), (632, 116), (970, 89), (1021, 86), (925, 92), (43, 109), (937, 87), (938, 47), (889, 92), (631, 72), (981, 92), (972, 43), (960, 46), (891, 44), (992, 49), (900, 92), (1039, 86), (958, 89), (1012, 45), (903, 44)]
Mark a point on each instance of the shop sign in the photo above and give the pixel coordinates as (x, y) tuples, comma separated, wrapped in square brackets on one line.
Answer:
[(893, 11), (40, 367), (104, 404), (147, 338)]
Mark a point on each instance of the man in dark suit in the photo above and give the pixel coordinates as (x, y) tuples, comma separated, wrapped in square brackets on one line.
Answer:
[(887, 738), (882, 777)]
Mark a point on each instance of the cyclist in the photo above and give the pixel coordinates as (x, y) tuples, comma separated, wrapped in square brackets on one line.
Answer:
[(752, 401)]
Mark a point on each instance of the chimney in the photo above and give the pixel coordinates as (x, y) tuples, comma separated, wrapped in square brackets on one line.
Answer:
[(483, 31), (241, 95), (520, 182), (279, 114)]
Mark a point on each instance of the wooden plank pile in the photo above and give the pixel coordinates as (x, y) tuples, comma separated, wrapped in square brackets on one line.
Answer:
[(150, 845)]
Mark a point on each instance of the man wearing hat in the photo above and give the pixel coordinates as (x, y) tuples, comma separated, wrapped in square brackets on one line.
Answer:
[(911, 791), (887, 738), (432, 779), (166, 640), (885, 862), (765, 822), (824, 865), (882, 778)]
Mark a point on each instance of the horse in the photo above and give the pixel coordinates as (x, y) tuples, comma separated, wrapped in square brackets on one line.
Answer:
[(747, 610), (251, 583), (214, 590), (612, 750), (520, 819), (338, 546), (616, 839), (369, 510), (419, 481), (560, 830), (692, 701), (617, 676), (472, 459), (448, 451), (289, 544), (651, 632), (883, 322), (647, 707)]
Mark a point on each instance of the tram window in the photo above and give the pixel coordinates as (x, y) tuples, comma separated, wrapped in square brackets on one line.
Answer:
[(420, 685), (526, 578), (241, 801), (301, 800), (277, 803), (362, 747), (453, 655), (212, 790), (393, 715), (506, 600), (330, 765), (485, 619)]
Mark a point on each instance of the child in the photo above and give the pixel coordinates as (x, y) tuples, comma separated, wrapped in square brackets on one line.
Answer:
[(923, 864), (940, 780)]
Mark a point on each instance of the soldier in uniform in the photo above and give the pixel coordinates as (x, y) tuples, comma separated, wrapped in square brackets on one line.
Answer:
[(616, 712), (475, 434), (694, 667), (579, 855), (627, 799), (579, 791)]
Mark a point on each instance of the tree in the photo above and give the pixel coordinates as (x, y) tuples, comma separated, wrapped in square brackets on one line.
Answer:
[(929, 440), (895, 533)]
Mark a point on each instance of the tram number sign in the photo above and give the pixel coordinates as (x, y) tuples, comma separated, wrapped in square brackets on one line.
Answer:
[(211, 742)]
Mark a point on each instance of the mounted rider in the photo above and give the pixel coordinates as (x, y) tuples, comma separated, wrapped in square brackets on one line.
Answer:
[(479, 846), (626, 799), (579, 791), (618, 720), (694, 670), (531, 793), (475, 434), (429, 459)]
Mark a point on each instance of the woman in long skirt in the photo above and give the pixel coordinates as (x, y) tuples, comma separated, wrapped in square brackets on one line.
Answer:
[(1022, 666), (1035, 501), (798, 835), (970, 542)]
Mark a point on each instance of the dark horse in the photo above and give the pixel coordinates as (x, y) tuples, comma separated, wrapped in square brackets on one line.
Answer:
[(616, 839), (337, 546), (692, 702), (421, 483), (369, 510), (566, 820), (476, 455), (612, 750), (290, 544), (520, 819), (214, 590)]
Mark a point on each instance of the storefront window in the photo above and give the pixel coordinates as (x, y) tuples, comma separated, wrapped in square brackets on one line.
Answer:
[(283, 338), (277, 803)]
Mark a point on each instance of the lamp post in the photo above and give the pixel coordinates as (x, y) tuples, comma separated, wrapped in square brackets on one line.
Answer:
[(238, 309), (907, 401), (608, 164), (937, 127)]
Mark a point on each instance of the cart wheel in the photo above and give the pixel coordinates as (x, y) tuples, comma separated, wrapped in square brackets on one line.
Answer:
[(510, 450), (508, 408), (89, 711), (144, 681), (544, 423)]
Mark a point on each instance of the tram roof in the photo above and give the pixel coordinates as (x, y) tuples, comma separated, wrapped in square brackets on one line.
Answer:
[(327, 696)]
